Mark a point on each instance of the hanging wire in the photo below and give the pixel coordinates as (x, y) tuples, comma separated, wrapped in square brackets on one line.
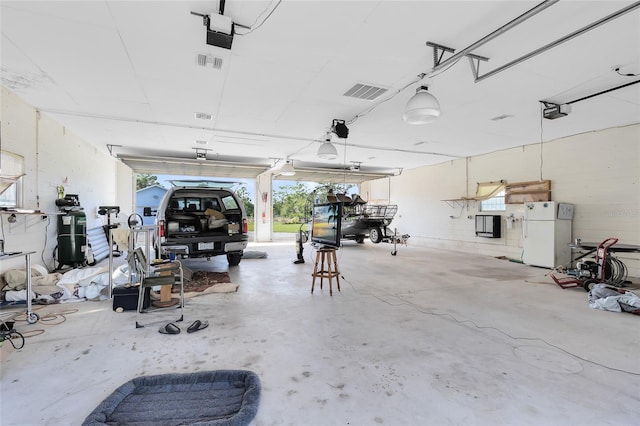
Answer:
[(402, 89), (254, 26), (541, 139), (344, 167), (629, 74), (388, 98)]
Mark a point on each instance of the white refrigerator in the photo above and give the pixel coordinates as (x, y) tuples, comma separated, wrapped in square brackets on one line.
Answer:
[(546, 232)]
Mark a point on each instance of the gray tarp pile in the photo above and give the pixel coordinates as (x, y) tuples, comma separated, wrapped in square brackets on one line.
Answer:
[(608, 298)]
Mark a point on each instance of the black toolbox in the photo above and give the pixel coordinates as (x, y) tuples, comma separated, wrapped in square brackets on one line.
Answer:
[(127, 298)]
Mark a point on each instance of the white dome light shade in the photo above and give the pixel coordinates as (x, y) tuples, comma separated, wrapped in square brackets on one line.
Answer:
[(422, 108), (287, 169), (327, 151)]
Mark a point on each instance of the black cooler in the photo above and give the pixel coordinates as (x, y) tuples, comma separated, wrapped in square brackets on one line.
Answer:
[(127, 298)]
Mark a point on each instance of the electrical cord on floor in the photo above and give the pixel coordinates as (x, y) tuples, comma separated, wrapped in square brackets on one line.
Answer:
[(12, 336), (53, 316), (47, 319), (59, 317), (32, 333), (481, 327)]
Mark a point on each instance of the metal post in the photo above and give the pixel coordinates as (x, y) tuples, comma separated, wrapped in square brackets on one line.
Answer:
[(110, 262)]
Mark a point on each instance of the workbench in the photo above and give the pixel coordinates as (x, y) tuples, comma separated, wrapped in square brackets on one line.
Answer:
[(616, 248)]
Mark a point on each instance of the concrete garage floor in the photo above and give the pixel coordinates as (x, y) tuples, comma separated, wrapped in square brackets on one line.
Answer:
[(426, 337)]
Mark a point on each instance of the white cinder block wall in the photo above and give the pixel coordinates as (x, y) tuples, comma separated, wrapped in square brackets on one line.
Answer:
[(599, 172), (54, 156)]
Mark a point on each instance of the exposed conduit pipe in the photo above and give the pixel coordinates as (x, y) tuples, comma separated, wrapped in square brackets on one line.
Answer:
[(517, 21), (560, 40)]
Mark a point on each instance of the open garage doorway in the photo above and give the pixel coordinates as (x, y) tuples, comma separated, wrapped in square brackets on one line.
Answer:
[(291, 199)]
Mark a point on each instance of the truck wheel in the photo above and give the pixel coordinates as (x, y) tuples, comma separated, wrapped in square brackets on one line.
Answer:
[(234, 258), (360, 239), (375, 235)]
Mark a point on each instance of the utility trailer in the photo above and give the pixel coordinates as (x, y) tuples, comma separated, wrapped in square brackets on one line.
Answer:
[(361, 220)]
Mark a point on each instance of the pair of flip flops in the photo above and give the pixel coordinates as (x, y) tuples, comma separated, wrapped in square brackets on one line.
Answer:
[(171, 328)]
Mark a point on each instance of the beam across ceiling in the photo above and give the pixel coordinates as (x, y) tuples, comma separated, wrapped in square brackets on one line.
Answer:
[(323, 175), (191, 167), (212, 168)]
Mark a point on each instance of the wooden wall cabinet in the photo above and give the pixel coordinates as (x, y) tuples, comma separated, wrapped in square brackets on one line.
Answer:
[(524, 192)]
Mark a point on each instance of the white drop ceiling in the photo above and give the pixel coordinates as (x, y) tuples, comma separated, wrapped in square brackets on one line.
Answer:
[(125, 75)]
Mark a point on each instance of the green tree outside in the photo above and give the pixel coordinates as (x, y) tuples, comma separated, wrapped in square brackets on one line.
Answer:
[(145, 180), (243, 194), (290, 203), (336, 188)]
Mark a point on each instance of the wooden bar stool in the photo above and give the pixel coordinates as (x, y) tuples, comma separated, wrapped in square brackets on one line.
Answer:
[(326, 266)]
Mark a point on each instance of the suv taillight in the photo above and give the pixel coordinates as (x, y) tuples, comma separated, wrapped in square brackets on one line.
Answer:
[(161, 228), (245, 225)]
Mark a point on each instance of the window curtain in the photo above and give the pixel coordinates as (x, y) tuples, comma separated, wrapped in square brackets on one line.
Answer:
[(486, 190)]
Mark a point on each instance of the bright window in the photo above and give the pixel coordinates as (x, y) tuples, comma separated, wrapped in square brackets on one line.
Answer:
[(9, 198), (495, 203), (11, 170)]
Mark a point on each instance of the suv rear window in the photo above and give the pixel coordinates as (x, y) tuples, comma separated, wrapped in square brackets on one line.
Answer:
[(198, 204), (193, 204)]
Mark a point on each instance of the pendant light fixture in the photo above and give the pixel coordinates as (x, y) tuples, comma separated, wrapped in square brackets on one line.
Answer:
[(422, 108), (327, 151), (287, 169)]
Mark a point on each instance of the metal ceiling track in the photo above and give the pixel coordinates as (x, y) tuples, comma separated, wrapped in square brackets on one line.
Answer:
[(439, 50), (559, 41), (467, 51)]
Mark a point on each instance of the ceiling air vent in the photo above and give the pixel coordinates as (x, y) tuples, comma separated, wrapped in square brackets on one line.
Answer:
[(209, 61), (203, 116), (365, 91)]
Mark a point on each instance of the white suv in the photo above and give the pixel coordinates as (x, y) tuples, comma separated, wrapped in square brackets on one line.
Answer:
[(202, 219)]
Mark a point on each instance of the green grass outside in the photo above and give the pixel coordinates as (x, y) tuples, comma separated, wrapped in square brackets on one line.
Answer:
[(281, 227), (286, 227)]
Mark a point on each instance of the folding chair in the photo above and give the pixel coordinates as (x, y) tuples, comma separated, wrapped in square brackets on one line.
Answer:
[(165, 273)]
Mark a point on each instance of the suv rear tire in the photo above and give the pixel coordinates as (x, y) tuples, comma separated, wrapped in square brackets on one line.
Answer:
[(234, 258)]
